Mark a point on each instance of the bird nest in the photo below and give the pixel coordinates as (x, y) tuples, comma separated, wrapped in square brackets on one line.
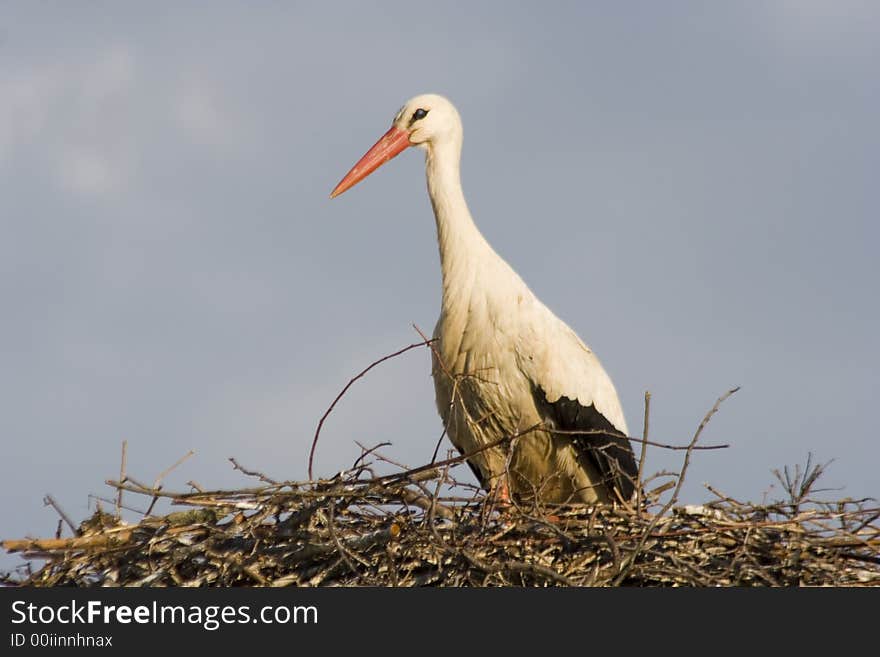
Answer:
[(421, 527)]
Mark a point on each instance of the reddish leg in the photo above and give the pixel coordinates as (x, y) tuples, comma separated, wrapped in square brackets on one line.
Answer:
[(502, 492)]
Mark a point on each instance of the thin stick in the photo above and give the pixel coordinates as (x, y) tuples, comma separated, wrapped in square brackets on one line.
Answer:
[(167, 470), (251, 473), (437, 446), (611, 434), (343, 553), (48, 500), (381, 457), (630, 561), (345, 389), (121, 477), (77, 543), (157, 484), (454, 388), (691, 447), (152, 504), (456, 459), (643, 454), (455, 380), (365, 452), (425, 503), (432, 512), (430, 343), (98, 498)]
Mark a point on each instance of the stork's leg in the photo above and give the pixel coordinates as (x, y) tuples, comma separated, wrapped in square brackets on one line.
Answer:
[(499, 496)]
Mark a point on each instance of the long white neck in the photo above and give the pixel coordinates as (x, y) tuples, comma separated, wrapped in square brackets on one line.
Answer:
[(462, 246)]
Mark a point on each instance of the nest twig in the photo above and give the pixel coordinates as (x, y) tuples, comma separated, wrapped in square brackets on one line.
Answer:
[(424, 528), (421, 527)]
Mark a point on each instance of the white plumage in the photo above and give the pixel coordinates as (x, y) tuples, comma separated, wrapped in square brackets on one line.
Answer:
[(506, 362)]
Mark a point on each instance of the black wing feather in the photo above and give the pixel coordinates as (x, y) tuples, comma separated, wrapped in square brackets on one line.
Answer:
[(606, 447)]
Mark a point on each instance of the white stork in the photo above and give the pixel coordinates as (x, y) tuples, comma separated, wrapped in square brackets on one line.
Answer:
[(503, 362)]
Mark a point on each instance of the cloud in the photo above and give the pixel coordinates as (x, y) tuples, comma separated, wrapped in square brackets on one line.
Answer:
[(111, 74), (810, 24), (23, 112), (73, 118), (204, 119), (88, 172)]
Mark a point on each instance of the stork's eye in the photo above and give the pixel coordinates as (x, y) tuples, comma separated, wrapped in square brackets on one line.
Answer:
[(419, 114)]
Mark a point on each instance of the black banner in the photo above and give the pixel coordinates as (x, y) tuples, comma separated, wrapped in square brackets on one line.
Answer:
[(388, 619)]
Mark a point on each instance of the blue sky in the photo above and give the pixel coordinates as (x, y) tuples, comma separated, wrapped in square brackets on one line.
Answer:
[(692, 187)]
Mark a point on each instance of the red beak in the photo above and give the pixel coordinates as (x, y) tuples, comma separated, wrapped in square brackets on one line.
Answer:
[(391, 144)]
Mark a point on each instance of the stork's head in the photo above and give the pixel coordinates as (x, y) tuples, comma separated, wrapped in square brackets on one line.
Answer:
[(424, 121)]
